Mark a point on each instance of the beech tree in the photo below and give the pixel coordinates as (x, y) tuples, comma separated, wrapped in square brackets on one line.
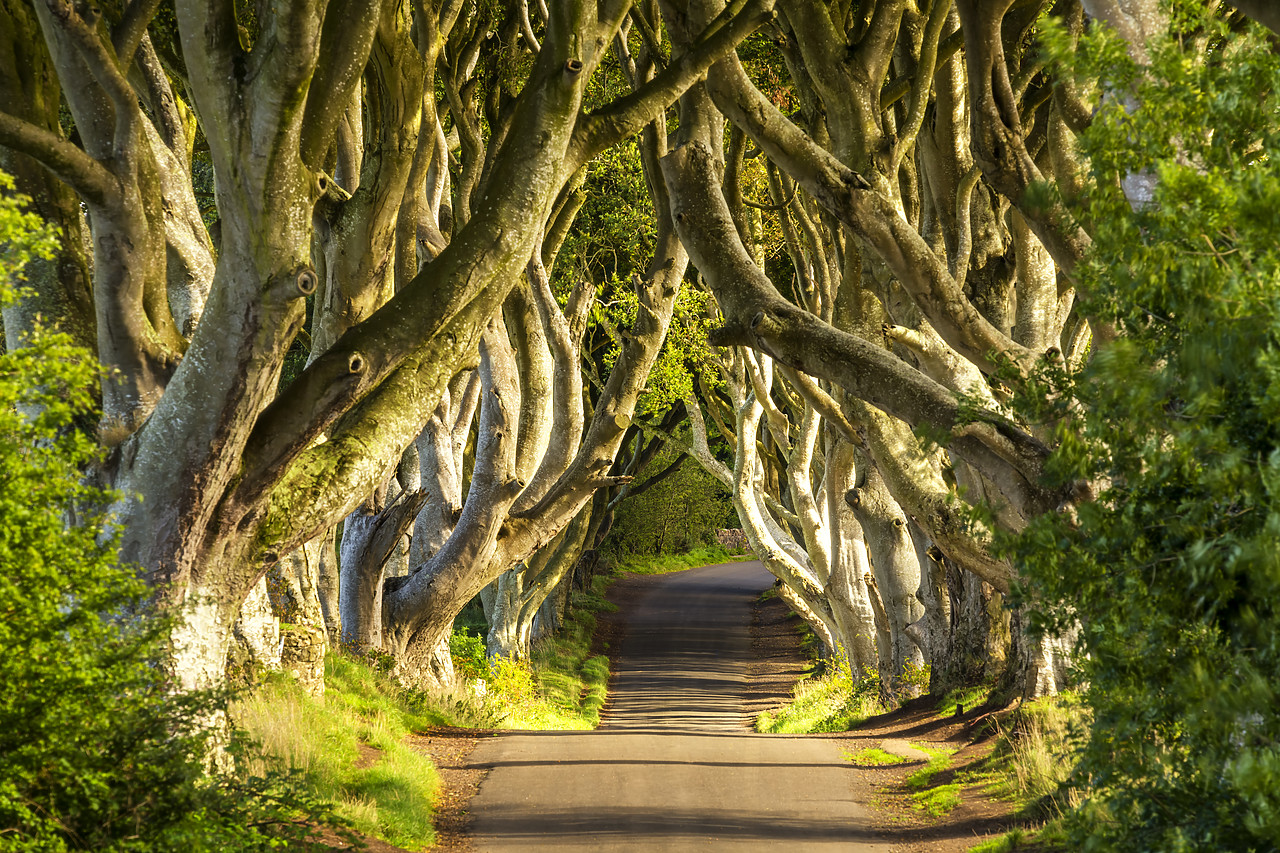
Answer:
[(223, 470)]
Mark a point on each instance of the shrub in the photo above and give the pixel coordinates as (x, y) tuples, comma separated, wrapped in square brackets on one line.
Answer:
[(468, 655), (1171, 574), (97, 752)]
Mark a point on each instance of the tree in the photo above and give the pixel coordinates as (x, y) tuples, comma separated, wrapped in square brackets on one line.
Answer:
[(99, 754), (1172, 573), (675, 508), (222, 471)]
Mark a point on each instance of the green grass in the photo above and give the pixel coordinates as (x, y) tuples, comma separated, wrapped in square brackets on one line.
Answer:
[(875, 756), (562, 686), (571, 684), (661, 564), (968, 697), (321, 739), (1035, 754), (939, 760), (826, 704), (1050, 836), (938, 801)]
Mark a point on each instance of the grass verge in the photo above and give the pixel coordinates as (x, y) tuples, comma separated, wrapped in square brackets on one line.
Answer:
[(830, 703), (875, 756), (937, 801), (562, 686), (571, 684), (1034, 756), (349, 747), (939, 760)]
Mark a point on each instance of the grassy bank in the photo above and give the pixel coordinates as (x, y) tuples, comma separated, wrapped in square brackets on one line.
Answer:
[(661, 564), (827, 703), (349, 748), (1030, 765), (563, 685)]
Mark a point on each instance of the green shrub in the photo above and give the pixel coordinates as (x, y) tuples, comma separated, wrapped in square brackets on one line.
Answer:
[(467, 651), (97, 752)]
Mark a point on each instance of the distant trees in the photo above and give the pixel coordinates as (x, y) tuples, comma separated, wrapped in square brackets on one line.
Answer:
[(674, 507)]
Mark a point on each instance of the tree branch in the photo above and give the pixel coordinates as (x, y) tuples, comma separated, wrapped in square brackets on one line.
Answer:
[(346, 38), (795, 337), (65, 160), (999, 146), (132, 27), (620, 119), (102, 65), (848, 196), (822, 402)]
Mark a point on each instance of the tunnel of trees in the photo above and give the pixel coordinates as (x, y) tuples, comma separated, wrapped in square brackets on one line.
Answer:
[(968, 308)]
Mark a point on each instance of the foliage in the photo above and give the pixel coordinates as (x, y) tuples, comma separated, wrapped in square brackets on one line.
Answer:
[(1172, 573), (914, 680), (685, 356), (613, 236), (562, 686), (676, 514), (98, 752), (467, 651)]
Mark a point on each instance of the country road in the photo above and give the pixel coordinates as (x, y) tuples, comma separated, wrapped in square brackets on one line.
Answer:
[(674, 766)]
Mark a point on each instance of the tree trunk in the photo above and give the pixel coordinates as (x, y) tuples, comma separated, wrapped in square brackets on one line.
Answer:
[(328, 584), (370, 536), (896, 569), (847, 586), (295, 585)]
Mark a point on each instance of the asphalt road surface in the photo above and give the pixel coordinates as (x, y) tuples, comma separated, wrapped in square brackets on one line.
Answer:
[(674, 766)]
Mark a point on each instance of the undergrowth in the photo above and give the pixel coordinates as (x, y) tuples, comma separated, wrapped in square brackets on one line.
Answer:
[(1031, 766), (562, 687), (1034, 756)]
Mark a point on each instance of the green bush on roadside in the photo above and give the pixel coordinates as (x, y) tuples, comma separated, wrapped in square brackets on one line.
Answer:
[(98, 753)]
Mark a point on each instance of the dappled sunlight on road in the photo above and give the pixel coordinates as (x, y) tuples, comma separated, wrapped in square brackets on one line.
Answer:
[(674, 765)]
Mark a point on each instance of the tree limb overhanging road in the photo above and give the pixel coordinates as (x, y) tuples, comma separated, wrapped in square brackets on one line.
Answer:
[(675, 765)]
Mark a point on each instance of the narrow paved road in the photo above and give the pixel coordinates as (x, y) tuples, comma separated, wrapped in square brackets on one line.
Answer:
[(675, 766)]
